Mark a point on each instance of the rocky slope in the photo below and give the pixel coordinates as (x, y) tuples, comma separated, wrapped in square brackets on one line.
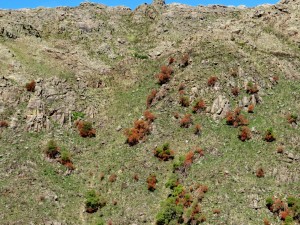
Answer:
[(101, 62)]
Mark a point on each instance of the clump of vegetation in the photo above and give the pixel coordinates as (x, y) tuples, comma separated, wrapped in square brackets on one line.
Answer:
[(186, 121), (85, 128), (251, 88), (236, 118), (151, 181), (77, 116), (181, 87), (112, 178), (197, 129), (139, 131), (260, 172), (288, 211), (150, 98), (235, 91), (3, 124), (165, 75), (171, 60), (292, 118), (184, 101), (212, 81), (30, 86), (52, 149), (199, 106), (280, 149), (245, 134), (150, 117), (251, 108), (234, 71), (65, 159), (185, 60), (189, 158), (164, 152), (93, 201), (269, 136)]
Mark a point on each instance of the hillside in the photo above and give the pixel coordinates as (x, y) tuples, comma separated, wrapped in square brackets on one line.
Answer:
[(216, 78)]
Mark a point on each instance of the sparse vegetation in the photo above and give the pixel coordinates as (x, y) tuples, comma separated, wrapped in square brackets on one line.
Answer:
[(52, 149), (186, 121), (85, 129), (164, 152), (199, 106), (4, 124), (165, 75), (212, 81), (30, 86), (184, 101), (93, 201), (151, 181), (150, 98)]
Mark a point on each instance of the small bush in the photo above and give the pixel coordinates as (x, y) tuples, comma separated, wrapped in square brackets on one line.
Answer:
[(236, 119), (77, 115), (4, 124), (150, 98), (260, 173), (136, 177), (212, 81), (269, 136), (30, 86), (85, 129), (173, 181), (251, 108), (171, 60), (93, 201), (283, 214), (197, 129), (150, 117), (292, 118), (52, 149), (138, 132), (185, 60), (189, 158), (266, 222), (181, 87), (280, 149), (251, 88), (184, 101), (235, 91), (151, 181), (199, 106), (112, 178), (234, 71), (216, 211), (245, 134), (165, 75), (186, 121), (65, 159), (164, 152)]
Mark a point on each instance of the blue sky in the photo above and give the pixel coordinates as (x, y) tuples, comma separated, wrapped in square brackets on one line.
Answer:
[(15, 4)]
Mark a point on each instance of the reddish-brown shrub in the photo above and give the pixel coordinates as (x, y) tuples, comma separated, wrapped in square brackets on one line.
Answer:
[(30, 86), (186, 121), (3, 123), (199, 151), (165, 75), (85, 129), (266, 222), (269, 136), (112, 178), (184, 101), (212, 81), (150, 117), (150, 98), (151, 181), (260, 172), (171, 60), (216, 211), (176, 115), (185, 60), (235, 91), (199, 106), (197, 130), (292, 118), (69, 165), (283, 214), (204, 188), (164, 152), (230, 118), (280, 149), (277, 206), (275, 79), (136, 177), (251, 88), (181, 87), (189, 158), (138, 132), (236, 119), (251, 108), (242, 121), (245, 134)]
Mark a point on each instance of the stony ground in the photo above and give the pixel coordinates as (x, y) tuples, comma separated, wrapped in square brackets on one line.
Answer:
[(102, 62)]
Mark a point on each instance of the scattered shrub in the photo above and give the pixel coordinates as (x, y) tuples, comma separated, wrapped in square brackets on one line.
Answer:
[(136, 177), (93, 201), (3, 124), (216, 211), (186, 121), (266, 222), (275, 79), (30, 86), (151, 181), (112, 178), (176, 115), (292, 118), (150, 117), (235, 91), (173, 181), (212, 81), (199, 106), (85, 129), (197, 129), (185, 60), (171, 60), (283, 214), (260, 173), (65, 159), (199, 151), (138, 132), (269, 136), (77, 115), (150, 98), (236, 119), (165, 75), (184, 101), (52, 149), (251, 108), (251, 88), (181, 87), (164, 152), (280, 149), (245, 134), (189, 158), (234, 71)]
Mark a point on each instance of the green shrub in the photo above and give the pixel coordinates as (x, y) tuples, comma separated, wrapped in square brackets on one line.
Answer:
[(52, 149), (170, 212), (77, 115), (93, 201)]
